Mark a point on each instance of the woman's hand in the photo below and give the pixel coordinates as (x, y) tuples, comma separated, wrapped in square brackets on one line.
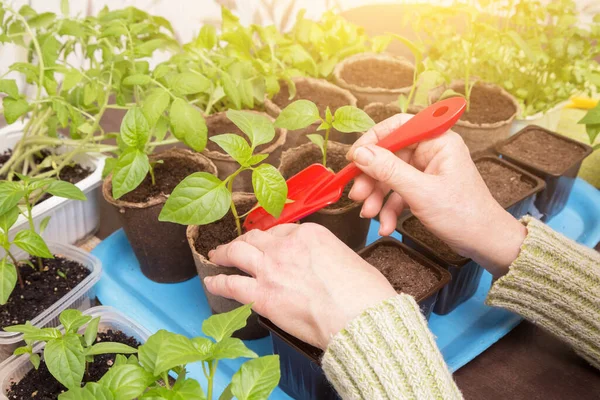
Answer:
[(440, 184), (303, 278)]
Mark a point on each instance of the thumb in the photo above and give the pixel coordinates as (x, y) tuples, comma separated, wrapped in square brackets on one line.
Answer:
[(384, 166)]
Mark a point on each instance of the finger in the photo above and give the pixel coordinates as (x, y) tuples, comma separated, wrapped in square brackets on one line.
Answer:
[(379, 131), (240, 288), (373, 203), (388, 217), (283, 230), (257, 238), (385, 167), (361, 189), (238, 254)]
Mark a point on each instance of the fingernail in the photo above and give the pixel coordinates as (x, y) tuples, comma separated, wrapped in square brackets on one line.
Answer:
[(361, 215), (363, 156)]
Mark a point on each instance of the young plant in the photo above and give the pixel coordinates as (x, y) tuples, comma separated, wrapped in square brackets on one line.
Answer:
[(592, 124), (18, 198), (67, 354), (203, 198), (112, 47), (167, 354), (303, 113)]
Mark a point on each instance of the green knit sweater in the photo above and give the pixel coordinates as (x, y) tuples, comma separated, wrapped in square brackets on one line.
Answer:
[(389, 353)]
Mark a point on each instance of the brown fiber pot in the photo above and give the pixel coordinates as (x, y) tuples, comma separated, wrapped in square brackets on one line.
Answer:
[(344, 222), (160, 247), (227, 165), (366, 95), (381, 111), (205, 268), (298, 137), (479, 137)]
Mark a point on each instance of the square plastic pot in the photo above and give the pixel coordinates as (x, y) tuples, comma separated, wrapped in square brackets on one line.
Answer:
[(558, 186), (465, 273), (301, 374), (524, 204), (16, 367), (80, 297), (70, 220)]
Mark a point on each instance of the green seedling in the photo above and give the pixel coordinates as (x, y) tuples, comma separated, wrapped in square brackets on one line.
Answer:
[(303, 113), (67, 354), (592, 125), (203, 198), (18, 198), (166, 354)]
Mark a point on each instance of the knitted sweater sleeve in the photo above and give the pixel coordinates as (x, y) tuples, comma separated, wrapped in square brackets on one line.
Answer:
[(555, 283), (388, 352)]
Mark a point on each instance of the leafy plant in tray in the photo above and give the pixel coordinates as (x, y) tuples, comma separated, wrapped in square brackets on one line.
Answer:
[(592, 125)]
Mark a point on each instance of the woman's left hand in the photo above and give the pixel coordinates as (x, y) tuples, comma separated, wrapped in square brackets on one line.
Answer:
[(303, 278)]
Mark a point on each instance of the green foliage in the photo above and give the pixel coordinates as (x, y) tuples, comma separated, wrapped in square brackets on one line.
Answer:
[(303, 113), (167, 354), (592, 123), (18, 198), (66, 354), (202, 198)]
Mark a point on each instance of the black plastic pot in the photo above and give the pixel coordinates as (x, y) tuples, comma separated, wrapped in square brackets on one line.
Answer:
[(301, 374), (465, 272), (558, 185), (522, 205)]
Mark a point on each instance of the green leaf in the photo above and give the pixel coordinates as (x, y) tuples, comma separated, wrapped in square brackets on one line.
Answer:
[(110, 348), (380, 43), (14, 108), (403, 102), (221, 326), (131, 169), (65, 360), (199, 199), (165, 350), (90, 92), (71, 79), (592, 131), (138, 79), (270, 188), (35, 360), (44, 224), (41, 20), (8, 280), (73, 319), (415, 49), (257, 127), (448, 93), (318, 140), (231, 90), (22, 350), (34, 334), (207, 38), (64, 7), (9, 86), (8, 219), (298, 115), (161, 128), (226, 395), (32, 243), (10, 194), (231, 348), (155, 105), (91, 331), (234, 145), (91, 391), (188, 389), (135, 129), (66, 190), (62, 113), (109, 166), (189, 83), (126, 381), (257, 158), (256, 379), (350, 119), (188, 125)]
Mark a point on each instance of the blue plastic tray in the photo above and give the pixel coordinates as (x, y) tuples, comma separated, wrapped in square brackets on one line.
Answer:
[(461, 335)]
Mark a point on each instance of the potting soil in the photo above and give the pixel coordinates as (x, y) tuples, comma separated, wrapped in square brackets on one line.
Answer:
[(505, 184), (418, 230), (378, 74)]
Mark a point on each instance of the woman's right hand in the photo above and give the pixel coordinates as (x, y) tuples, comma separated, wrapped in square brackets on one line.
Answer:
[(440, 184)]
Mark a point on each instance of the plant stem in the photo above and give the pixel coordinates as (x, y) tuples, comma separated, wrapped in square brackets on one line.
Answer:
[(325, 145), (212, 365), (165, 378), (234, 210), (151, 172), (38, 50)]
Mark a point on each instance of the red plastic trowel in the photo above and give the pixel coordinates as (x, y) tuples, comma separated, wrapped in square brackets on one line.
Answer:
[(316, 187)]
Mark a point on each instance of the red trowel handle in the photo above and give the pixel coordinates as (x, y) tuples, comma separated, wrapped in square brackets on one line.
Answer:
[(427, 124)]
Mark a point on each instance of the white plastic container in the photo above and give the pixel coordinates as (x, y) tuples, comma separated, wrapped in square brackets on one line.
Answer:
[(70, 220), (80, 297), (548, 119), (16, 367)]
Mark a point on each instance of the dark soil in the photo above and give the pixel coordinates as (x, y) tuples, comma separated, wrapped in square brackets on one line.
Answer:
[(335, 160), (221, 126), (405, 274), (41, 385), (168, 175), (322, 98), (41, 290), (70, 173), (220, 232), (441, 249), (487, 106), (382, 112), (378, 74), (544, 151), (506, 185)]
